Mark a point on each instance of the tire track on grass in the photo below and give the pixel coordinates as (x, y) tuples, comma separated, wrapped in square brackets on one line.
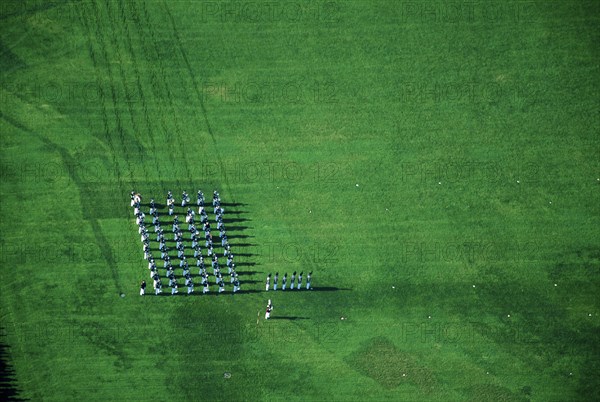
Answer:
[(101, 93), (149, 129), (113, 92), (137, 144), (167, 90), (158, 86), (115, 80), (84, 18), (198, 94)]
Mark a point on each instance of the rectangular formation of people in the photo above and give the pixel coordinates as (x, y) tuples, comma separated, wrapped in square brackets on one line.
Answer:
[(196, 224)]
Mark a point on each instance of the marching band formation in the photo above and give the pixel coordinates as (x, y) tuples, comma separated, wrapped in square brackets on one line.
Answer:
[(197, 222)]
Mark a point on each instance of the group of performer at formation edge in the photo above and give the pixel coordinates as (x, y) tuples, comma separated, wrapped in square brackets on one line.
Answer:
[(195, 236)]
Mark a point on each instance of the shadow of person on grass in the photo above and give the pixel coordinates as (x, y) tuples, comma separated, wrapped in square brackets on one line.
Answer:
[(327, 289), (233, 204), (234, 220)]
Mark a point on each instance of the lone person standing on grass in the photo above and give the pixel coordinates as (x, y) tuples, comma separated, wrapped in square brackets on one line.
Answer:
[(269, 309), (143, 288)]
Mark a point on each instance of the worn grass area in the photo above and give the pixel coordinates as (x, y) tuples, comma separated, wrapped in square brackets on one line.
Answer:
[(436, 167)]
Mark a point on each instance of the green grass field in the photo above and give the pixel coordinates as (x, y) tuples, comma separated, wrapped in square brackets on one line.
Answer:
[(436, 165)]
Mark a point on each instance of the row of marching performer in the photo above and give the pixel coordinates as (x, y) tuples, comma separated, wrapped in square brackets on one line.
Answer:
[(185, 200)]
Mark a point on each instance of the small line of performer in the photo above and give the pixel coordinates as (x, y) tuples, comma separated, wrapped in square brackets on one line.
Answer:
[(293, 284)]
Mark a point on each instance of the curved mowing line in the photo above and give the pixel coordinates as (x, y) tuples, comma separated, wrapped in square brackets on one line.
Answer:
[(88, 213)]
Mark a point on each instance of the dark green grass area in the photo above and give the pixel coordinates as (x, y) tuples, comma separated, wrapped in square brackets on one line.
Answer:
[(436, 166)]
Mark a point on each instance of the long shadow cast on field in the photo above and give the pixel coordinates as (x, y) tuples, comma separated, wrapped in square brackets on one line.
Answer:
[(233, 220), (248, 273), (236, 228), (246, 264), (327, 289), (240, 237), (233, 204)]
